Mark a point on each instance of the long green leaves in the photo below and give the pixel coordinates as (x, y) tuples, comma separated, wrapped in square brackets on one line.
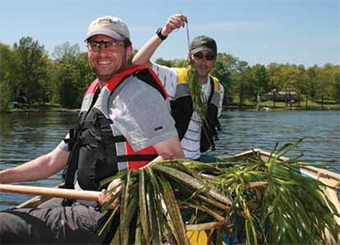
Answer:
[(267, 200), (199, 101), (289, 209)]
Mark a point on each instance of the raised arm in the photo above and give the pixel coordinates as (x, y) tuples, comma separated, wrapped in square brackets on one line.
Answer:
[(39, 168), (143, 56)]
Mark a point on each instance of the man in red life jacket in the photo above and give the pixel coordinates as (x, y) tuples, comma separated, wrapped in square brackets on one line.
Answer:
[(124, 123)]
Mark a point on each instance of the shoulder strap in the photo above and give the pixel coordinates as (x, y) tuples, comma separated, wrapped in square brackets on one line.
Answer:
[(92, 88), (149, 77), (215, 83), (144, 73), (213, 86), (182, 75)]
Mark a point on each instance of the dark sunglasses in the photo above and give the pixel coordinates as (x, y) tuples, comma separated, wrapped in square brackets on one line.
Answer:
[(208, 56)]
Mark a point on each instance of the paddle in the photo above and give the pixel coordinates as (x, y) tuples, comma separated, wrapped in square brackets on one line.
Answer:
[(51, 192)]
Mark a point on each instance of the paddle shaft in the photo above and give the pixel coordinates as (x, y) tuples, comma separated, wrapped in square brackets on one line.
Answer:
[(51, 192)]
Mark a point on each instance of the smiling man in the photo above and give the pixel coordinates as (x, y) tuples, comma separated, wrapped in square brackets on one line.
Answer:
[(115, 132), (196, 137)]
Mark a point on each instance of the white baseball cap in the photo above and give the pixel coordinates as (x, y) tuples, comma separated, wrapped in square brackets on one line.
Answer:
[(109, 26)]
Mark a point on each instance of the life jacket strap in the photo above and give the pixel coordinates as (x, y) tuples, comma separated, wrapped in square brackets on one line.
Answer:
[(127, 158), (119, 138)]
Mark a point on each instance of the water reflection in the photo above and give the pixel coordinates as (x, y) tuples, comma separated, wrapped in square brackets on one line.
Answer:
[(245, 130), (25, 136)]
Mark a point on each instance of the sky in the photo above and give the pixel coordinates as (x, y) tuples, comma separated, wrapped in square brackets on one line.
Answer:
[(301, 32)]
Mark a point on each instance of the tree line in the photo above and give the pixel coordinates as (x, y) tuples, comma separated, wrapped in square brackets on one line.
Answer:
[(29, 75)]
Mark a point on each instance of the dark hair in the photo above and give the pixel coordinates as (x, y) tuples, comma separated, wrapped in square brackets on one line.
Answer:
[(127, 43)]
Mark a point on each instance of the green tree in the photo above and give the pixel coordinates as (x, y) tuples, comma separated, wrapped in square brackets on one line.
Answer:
[(336, 84), (8, 74), (66, 52), (259, 82), (291, 77), (64, 80), (326, 78), (85, 74), (311, 74), (240, 79), (164, 62), (32, 69), (179, 63), (274, 71), (224, 67), (302, 83), (131, 58), (70, 76)]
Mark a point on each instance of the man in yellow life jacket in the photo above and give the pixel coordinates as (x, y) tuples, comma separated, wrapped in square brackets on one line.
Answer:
[(197, 136), (115, 132)]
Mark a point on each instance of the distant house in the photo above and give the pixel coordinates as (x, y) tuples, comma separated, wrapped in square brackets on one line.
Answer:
[(281, 96), (16, 104)]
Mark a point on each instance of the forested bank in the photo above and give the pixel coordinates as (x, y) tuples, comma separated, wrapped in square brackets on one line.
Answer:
[(31, 77)]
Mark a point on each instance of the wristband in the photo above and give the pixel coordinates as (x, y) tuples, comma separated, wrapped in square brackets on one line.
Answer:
[(160, 35)]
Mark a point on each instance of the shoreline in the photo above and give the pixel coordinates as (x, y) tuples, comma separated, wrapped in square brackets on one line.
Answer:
[(225, 108), (262, 106)]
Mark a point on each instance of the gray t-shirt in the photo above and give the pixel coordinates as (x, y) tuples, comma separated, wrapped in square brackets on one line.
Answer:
[(141, 114)]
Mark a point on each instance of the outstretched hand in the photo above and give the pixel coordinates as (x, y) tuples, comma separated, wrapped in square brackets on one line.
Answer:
[(174, 22), (105, 196)]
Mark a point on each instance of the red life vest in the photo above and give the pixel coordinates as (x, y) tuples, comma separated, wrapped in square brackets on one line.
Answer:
[(101, 153)]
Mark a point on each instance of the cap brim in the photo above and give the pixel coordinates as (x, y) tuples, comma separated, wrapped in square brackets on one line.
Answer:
[(105, 32), (194, 51)]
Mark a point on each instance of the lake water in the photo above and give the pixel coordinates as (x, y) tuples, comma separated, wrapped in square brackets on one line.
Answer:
[(25, 136)]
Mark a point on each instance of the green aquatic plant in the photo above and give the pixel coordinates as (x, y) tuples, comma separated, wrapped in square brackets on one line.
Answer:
[(275, 204), (267, 201), (199, 100)]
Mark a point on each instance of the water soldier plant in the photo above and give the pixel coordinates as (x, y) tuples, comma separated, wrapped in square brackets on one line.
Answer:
[(199, 101), (260, 201)]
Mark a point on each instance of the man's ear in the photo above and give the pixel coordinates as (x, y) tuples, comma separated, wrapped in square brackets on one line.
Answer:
[(190, 57)]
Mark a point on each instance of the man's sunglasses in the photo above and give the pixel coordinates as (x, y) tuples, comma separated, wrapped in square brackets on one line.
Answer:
[(208, 56), (95, 46)]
